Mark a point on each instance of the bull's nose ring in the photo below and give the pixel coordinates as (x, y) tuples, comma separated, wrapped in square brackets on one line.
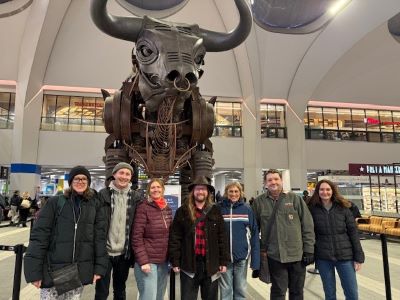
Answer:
[(181, 89)]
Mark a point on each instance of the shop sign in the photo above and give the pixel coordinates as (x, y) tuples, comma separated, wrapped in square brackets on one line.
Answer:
[(373, 169)]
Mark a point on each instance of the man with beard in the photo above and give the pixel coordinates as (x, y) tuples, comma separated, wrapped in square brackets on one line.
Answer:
[(119, 201), (288, 238), (198, 247)]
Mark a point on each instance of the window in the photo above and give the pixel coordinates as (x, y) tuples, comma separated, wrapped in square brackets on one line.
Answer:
[(72, 113), (331, 123), (153, 8), (228, 119), (7, 107), (273, 121), (288, 16), (155, 4)]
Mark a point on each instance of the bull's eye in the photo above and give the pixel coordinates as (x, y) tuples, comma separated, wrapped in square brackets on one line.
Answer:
[(145, 51), (199, 59)]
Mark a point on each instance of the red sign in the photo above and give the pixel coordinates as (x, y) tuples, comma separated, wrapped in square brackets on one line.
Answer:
[(373, 169), (373, 121)]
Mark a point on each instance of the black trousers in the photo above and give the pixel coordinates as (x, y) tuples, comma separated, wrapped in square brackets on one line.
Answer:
[(120, 271), (190, 286), (284, 276)]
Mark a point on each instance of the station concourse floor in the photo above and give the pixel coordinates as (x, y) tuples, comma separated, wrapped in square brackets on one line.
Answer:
[(370, 278)]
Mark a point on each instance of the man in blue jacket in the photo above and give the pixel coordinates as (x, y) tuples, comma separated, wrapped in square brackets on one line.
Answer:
[(241, 226)]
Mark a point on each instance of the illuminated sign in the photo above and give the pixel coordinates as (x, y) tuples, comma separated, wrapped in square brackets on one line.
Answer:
[(373, 169), (89, 104), (373, 121)]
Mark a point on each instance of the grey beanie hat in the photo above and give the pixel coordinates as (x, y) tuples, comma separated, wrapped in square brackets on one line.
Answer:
[(122, 165)]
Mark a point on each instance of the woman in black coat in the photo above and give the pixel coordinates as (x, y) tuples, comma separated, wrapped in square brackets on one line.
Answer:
[(73, 218), (337, 244)]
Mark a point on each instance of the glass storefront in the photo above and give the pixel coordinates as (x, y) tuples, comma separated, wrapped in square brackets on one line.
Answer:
[(72, 113), (7, 108), (330, 123), (228, 119), (273, 121)]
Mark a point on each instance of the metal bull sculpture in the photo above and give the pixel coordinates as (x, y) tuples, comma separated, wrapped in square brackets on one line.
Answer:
[(158, 119)]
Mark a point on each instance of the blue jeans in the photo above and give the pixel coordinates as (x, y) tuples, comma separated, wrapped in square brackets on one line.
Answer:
[(233, 283), (347, 275), (152, 286)]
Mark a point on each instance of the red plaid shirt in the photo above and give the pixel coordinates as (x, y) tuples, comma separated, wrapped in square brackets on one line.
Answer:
[(200, 243)]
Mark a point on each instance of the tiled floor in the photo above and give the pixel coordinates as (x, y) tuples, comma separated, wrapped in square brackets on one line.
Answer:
[(370, 278)]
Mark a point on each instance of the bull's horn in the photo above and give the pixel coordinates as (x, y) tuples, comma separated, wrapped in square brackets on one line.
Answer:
[(124, 28), (218, 41)]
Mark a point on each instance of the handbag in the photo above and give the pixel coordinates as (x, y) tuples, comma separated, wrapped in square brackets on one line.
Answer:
[(67, 278), (25, 203), (265, 275)]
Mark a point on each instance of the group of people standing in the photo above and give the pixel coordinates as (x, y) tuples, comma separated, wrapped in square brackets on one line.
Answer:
[(210, 245), (20, 208)]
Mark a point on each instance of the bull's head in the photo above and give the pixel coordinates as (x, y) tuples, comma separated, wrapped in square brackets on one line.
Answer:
[(170, 55)]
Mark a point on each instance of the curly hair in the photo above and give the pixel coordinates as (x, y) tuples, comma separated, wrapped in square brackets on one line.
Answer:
[(336, 196)]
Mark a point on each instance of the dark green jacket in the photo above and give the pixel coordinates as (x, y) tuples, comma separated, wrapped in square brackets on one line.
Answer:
[(293, 233), (54, 244)]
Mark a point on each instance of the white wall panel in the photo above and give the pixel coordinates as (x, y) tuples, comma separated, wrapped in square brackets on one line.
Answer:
[(6, 136), (71, 148), (337, 155), (274, 153), (11, 31), (228, 152)]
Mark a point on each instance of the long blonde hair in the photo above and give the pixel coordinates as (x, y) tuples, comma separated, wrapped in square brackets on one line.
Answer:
[(192, 206)]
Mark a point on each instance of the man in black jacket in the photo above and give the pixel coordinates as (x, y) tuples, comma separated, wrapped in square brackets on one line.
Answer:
[(198, 244), (15, 202), (119, 202)]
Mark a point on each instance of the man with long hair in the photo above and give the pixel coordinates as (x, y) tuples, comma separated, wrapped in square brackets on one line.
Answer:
[(198, 247)]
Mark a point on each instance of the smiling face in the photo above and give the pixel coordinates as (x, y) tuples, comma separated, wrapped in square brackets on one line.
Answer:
[(233, 194), (156, 190), (122, 178), (200, 193), (325, 193), (80, 183), (274, 183)]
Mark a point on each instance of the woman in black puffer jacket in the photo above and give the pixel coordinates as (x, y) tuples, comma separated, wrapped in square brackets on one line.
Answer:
[(75, 216), (337, 244)]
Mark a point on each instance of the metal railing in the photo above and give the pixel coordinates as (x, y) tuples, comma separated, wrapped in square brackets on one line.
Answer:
[(19, 251)]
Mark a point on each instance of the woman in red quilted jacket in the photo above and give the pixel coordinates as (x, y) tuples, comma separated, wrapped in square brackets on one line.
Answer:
[(150, 242)]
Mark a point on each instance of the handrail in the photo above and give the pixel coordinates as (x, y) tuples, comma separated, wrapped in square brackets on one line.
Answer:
[(19, 251)]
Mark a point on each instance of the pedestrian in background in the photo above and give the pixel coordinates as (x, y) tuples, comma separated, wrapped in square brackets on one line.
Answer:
[(24, 208), (15, 202)]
